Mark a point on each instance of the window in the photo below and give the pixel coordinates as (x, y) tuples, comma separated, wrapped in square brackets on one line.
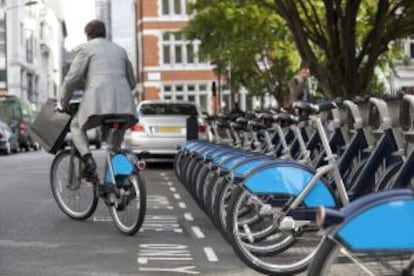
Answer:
[(29, 47), (42, 30), (165, 7), (174, 7), (168, 109), (21, 34), (192, 92), (176, 50), (3, 75)]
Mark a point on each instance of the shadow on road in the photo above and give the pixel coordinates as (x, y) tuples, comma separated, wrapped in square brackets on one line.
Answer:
[(160, 165)]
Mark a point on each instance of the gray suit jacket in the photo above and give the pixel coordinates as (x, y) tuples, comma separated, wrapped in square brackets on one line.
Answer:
[(109, 81)]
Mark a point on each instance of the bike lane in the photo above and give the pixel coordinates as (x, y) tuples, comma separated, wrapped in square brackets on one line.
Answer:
[(177, 237)]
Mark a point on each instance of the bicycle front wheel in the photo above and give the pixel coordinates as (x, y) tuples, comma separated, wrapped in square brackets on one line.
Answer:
[(336, 260), (77, 198), (129, 209)]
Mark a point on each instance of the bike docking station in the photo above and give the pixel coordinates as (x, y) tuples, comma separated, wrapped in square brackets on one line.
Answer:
[(263, 187)]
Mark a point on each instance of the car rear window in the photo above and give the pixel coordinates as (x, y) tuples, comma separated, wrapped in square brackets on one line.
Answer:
[(168, 109)]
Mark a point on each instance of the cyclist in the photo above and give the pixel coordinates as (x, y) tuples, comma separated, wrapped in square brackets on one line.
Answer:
[(108, 76)]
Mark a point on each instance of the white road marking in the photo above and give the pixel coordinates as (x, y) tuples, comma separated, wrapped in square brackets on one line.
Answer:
[(145, 260), (182, 205), (172, 189), (102, 218), (169, 183), (197, 232), (179, 270), (177, 196), (188, 216), (211, 255)]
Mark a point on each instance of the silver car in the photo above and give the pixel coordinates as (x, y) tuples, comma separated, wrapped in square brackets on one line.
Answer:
[(8, 140), (162, 127)]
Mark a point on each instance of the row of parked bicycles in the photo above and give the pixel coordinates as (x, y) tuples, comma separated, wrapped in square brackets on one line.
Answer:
[(325, 187)]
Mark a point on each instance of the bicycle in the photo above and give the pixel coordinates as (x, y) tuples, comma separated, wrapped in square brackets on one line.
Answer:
[(122, 188), (373, 234)]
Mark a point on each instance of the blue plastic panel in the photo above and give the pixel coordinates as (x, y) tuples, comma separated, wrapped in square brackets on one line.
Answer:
[(220, 159), (231, 163), (387, 226), (247, 167), (289, 180), (120, 165)]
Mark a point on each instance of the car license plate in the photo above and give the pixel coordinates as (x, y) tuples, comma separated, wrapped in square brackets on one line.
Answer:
[(169, 129)]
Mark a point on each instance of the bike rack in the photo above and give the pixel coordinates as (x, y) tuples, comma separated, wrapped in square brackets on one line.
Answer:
[(379, 117)]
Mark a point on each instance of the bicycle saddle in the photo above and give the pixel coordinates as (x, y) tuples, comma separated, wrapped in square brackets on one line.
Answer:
[(311, 108)]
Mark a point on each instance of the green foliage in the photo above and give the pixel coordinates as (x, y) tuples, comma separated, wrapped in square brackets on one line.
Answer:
[(247, 41), (348, 41)]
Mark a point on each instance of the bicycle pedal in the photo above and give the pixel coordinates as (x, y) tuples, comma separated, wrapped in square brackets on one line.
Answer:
[(107, 201)]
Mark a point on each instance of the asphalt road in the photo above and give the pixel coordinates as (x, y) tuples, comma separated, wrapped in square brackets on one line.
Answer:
[(36, 238)]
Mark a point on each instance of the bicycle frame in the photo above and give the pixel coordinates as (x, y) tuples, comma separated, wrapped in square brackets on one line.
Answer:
[(300, 181)]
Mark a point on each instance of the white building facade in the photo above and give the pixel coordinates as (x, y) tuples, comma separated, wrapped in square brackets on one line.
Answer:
[(123, 26), (103, 13), (34, 35)]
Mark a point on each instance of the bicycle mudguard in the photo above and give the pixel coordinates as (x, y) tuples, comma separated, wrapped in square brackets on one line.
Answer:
[(287, 178), (382, 222), (227, 156), (121, 165), (241, 159), (187, 146)]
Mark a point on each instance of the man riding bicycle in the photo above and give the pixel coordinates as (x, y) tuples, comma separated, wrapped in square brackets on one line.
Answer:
[(105, 69)]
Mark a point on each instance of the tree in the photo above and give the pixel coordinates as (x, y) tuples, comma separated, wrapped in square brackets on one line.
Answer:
[(343, 40), (247, 42)]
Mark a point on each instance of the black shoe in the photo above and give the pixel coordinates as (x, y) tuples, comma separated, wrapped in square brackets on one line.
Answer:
[(89, 169)]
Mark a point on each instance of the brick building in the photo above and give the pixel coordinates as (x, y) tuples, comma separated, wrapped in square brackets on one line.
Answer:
[(168, 65)]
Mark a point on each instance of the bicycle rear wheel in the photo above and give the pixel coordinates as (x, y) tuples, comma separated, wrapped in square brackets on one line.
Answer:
[(335, 259), (129, 210), (78, 200)]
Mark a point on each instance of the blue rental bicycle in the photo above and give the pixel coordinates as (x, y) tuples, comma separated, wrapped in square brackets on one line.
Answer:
[(122, 187), (373, 235)]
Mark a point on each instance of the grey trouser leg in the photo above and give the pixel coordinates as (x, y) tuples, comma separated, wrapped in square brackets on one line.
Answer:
[(79, 138), (115, 138)]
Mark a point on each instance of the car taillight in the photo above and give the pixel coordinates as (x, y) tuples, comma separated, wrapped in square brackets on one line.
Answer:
[(201, 129), (138, 128)]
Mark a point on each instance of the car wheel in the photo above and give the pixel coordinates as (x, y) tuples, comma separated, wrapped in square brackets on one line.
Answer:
[(7, 151)]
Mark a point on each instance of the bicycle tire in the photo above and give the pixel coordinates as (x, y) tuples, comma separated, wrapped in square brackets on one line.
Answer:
[(387, 180), (56, 186), (178, 164), (267, 262), (332, 257), (138, 193)]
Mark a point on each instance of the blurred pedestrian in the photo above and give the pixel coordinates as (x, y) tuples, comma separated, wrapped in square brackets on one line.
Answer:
[(298, 85)]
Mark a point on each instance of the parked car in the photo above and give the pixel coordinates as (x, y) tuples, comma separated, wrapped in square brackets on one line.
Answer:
[(162, 127), (8, 140), (17, 113)]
